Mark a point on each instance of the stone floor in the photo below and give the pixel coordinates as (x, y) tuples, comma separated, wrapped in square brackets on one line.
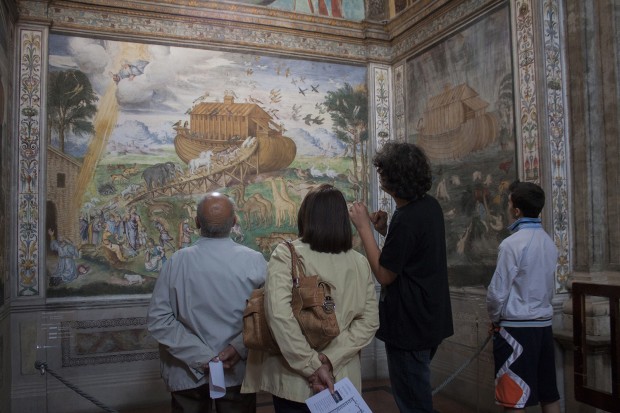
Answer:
[(377, 394)]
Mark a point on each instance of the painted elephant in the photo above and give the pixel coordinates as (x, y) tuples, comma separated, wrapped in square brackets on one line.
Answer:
[(159, 174)]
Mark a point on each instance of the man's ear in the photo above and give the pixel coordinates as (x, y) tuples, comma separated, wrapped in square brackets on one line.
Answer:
[(197, 222), (234, 220)]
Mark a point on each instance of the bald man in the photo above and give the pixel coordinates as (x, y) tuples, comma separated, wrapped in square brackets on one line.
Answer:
[(196, 311)]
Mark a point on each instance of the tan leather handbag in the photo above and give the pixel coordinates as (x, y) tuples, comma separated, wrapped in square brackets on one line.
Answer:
[(312, 306)]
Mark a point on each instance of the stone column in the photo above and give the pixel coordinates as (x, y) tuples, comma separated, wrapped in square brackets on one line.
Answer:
[(592, 61)]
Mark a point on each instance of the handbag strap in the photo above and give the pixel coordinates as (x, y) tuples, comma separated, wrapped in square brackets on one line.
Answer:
[(297, 267)]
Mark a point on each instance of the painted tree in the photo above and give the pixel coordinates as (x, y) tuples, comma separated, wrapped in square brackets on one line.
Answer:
[(505, 105), (348, 108), (70, 105)]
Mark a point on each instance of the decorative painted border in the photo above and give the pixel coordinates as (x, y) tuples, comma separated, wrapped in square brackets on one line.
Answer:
[(527, 119), (555, 95), (381, 126), (69, 359), (29, 127), (201, 26), (400, 126), (443, 22)]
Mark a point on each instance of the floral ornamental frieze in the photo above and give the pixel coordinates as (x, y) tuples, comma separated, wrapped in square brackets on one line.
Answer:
[(528, 105), (29, 127), (290, 38), (382, 106), (399, 103), (382, 128), (558, 139)]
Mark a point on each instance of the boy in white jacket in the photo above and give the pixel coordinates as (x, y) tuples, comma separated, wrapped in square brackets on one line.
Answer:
[(519, 306)]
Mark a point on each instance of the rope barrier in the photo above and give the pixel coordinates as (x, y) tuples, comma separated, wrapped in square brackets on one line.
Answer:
[(463, 366), (42, 366)]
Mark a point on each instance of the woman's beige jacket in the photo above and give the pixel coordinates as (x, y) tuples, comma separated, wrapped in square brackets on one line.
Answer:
[(353, 290)]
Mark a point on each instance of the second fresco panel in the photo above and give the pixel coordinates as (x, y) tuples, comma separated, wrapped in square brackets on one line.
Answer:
[(461, 112)]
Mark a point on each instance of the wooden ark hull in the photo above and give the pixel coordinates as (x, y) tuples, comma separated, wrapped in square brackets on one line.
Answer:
[(275, 152), (473, 135)]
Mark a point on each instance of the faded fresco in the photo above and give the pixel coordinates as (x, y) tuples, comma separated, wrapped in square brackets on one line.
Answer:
[(137, 133), (462, 115), (344, 9)]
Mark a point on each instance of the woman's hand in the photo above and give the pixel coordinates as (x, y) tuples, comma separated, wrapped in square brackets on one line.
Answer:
[(323, 377)]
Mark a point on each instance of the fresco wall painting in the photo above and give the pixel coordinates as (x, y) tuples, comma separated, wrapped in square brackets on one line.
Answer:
[(152, 128), (461, 113), (344, 9)]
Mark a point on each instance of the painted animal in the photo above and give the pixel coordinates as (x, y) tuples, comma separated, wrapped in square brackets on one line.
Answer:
[(267, 243), (154, 207), (204, 160), (284, 207), (315, 172), (330, 173), (302, 188), (133, 278), (268, 207), (159, 174), (250, 208), (130, 170), (118, 178), (442, 191), (131, 189), (249, 142), (106, 189)]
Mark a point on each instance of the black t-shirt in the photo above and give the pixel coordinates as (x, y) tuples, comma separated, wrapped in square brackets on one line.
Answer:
[(415, 310)]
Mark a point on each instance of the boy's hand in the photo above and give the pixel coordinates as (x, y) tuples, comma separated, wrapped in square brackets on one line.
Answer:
[(359, 215), (379, 220)]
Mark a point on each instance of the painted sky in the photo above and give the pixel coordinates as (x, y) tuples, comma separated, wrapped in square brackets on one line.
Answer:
[(176, 78), (479, 56)]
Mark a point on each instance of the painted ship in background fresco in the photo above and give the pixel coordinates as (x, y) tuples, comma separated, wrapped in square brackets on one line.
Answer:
[(456, 123), (222, 126)]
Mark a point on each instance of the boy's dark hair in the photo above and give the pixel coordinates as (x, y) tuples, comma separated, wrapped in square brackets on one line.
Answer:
[(404, 170), (323, 220), (528, 197)]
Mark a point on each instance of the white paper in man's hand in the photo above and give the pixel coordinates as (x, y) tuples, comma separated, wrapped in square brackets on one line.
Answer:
[(346, 399), (217, 385)]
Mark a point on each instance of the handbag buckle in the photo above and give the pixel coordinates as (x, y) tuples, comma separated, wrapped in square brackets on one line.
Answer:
[(328, 304)]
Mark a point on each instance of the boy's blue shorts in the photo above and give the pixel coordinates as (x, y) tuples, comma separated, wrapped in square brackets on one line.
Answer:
[(524, 367)]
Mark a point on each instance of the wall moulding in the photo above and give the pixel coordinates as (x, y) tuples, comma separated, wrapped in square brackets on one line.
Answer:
[(413, 15), (235, 25), (451, 18)]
